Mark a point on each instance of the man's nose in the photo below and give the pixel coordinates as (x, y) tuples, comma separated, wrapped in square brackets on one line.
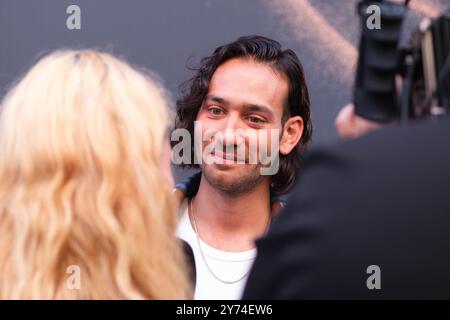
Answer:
[(232, 131)]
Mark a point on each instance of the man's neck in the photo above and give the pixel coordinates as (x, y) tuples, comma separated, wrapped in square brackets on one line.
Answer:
[(231, 222)]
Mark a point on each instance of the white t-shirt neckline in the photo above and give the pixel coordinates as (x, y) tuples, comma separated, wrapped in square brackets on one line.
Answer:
[(218, 254), (226, 265)]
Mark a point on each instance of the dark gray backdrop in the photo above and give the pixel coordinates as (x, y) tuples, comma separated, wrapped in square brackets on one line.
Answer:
[(164, 34)]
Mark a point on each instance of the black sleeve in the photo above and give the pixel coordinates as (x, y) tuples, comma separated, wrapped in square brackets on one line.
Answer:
[(382, 200)]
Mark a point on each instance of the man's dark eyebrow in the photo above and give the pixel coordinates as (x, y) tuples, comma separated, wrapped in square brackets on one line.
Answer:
[(247, 107), (259, 108), (216, 99)]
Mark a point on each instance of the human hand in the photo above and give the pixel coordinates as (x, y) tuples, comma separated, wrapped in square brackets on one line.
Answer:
[(349, 125)]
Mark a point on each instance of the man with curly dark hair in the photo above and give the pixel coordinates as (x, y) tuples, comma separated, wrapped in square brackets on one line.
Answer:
[(249, 85)]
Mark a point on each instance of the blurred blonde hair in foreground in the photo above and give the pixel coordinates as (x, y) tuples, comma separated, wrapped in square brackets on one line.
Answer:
[(80, 184)]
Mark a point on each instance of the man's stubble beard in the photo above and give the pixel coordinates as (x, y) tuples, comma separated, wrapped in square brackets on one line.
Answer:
[(239, 185)]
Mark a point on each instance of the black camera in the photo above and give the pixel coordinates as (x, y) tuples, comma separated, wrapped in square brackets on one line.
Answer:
[(396, 83)]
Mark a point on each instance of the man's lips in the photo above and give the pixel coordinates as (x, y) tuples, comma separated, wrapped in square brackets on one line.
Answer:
[(225, 156), (219, 157)]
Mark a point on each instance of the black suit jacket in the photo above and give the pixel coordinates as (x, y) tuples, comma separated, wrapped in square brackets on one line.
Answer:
[(382, 200)]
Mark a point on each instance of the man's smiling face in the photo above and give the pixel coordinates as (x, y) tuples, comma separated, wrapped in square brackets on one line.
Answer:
[(243, 95)]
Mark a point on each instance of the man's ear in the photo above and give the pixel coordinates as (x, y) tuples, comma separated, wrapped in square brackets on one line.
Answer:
[(292, 133)]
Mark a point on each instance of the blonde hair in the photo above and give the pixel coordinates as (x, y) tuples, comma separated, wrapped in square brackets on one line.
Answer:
[(80, 138)]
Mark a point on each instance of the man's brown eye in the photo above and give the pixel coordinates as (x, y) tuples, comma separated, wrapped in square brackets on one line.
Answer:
[(255, 120), (215, 111)]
